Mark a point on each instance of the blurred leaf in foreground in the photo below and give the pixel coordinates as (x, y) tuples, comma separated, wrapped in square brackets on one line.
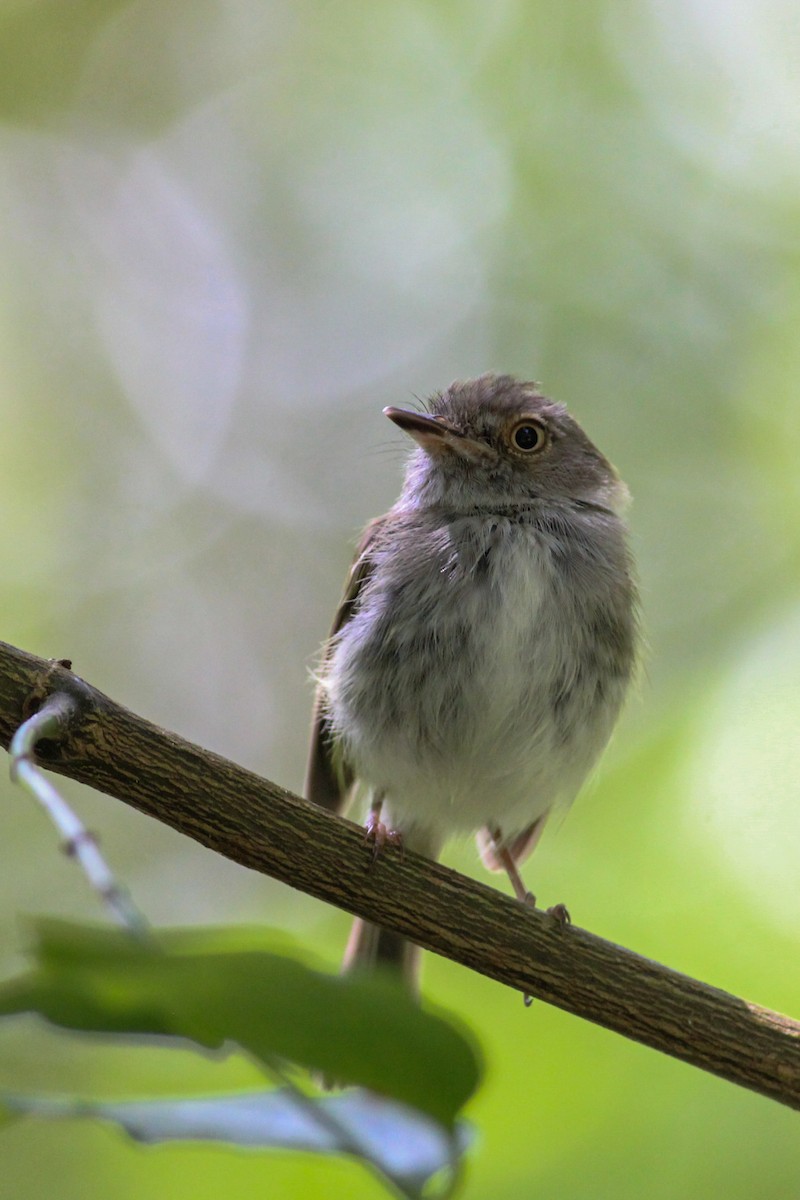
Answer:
[(218, 988), (406, 1146)]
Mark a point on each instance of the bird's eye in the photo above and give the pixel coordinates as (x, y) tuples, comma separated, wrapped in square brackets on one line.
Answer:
[(528, 435)]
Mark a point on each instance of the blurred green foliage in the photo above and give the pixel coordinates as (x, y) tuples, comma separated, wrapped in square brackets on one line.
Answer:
[(215, 986), (233, 231), (226, 990)]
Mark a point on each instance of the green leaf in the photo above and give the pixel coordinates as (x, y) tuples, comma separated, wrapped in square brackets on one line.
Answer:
[(401, 1143), (218, 987)]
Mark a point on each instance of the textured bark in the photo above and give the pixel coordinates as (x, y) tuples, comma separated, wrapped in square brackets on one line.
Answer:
[(262, 826)]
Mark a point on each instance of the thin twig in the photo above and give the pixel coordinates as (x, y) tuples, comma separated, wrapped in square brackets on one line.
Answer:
[(50, 722)]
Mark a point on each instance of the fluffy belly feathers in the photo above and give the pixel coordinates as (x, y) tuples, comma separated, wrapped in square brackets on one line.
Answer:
[(493, 711)]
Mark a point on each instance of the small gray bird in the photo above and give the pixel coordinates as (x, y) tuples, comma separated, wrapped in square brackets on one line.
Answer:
[(486, 638)]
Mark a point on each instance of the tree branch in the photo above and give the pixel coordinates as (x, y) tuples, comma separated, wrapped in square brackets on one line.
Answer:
[(264, 827)]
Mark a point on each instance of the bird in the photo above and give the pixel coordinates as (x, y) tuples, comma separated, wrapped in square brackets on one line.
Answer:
[(485, 641)]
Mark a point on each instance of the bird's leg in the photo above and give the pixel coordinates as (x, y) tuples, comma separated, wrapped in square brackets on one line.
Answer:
[(509, 865), (376, 832), (559, 913)]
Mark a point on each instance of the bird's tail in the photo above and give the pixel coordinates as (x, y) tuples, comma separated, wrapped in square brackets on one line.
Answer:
[(370, 946)]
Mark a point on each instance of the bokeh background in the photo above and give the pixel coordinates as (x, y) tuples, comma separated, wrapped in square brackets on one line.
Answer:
[(230, 232)]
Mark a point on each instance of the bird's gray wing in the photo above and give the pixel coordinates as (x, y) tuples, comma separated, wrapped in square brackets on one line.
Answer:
[(329, 777)]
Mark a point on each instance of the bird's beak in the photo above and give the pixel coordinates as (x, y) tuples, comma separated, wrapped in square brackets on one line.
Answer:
[(437, 435)]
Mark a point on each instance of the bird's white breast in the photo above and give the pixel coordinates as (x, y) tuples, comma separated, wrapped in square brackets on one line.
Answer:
[(465, 686)]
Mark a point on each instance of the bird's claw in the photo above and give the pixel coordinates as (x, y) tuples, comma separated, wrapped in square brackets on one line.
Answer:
[(559, 915), (381, 836)]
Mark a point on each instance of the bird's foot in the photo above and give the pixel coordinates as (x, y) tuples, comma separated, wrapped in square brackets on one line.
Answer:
[(381, 836), (559, 915)]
